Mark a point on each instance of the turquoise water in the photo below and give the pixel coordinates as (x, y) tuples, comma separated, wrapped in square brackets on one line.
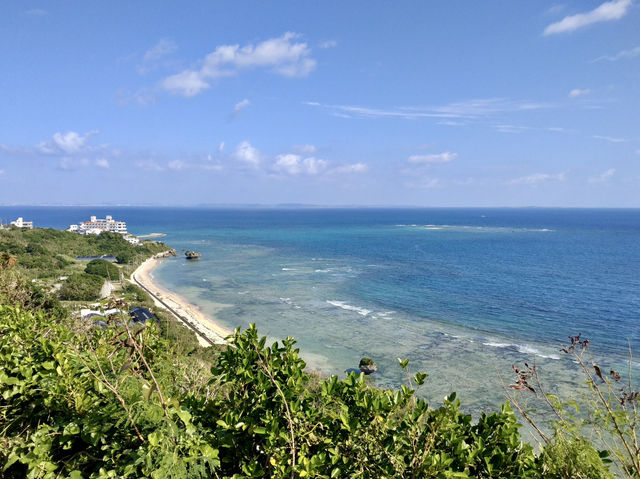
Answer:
[(462, 293)]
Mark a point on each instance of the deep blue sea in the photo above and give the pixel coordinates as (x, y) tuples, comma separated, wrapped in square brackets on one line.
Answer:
[(461, 293)]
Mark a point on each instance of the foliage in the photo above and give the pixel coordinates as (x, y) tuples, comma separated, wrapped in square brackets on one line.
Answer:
[(102, 268), (147, 402), (81, 287), (609, 415), (16, 290), (46, 252), (366, 362), (121, 403)]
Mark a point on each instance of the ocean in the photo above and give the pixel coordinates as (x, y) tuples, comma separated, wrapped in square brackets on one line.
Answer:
[(463, 293)]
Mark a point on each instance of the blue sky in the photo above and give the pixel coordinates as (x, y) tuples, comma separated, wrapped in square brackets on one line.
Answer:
[(451, 103)]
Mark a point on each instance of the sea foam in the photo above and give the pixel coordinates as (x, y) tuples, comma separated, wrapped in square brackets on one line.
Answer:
[(344, 305)]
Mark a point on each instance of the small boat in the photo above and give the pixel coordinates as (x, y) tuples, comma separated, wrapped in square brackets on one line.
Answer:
[(192, 254)]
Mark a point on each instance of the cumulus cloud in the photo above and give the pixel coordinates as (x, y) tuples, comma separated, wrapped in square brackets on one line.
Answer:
[(248, 154), (537, 178), (576, 92), (622, 55), (102, 163), (445, 157), (607, 11), (604, 177), (70, 142), (283, 56), (293, 164)]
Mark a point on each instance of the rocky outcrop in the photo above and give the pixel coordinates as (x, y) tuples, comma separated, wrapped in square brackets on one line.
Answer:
[(166, 254), (368, 366)]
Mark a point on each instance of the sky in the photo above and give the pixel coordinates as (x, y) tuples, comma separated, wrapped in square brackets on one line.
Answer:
[(449, 103)]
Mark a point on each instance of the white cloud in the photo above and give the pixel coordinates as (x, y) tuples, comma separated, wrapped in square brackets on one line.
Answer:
[(221, 147), (294, 165), (352, 168), (161, 49), (608, 11), (576, 92), (624, 54), (155, 56), (176, 165), (188, 83), (537, 178), (604, 177), (282, 56), (68, 143), (241, 105), (444, 157), (149, 165), (305, 149), (471, 109), (70, 163), (248, 154), (610, 139), (102, 163), (505, 128), (328, 44)]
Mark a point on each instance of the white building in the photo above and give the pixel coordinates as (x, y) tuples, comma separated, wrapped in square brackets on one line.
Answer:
[(20, 223), (98, 225), (132, 239)]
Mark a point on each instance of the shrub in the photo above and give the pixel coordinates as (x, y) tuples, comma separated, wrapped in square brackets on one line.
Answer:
[(103, 268), (81, 287)]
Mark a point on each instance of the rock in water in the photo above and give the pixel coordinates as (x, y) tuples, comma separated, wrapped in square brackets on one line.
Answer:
[(367, 366)]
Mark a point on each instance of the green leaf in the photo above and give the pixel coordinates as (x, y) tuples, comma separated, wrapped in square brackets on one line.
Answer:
[(403, 363), (153, 439)]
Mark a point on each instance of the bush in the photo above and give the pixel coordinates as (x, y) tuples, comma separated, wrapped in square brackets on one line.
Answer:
[(81, 287), (103, 268)]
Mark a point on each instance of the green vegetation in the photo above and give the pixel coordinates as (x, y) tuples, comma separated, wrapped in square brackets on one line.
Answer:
[(47, 256), (48, 253), (81, 287), (148, 401), (101, 267)]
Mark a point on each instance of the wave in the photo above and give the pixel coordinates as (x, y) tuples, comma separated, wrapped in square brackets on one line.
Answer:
[(290, 302), (521, 348), (478, 229), (344, 305)]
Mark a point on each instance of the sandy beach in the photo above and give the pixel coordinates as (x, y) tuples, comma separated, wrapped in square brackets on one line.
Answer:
[(182, 309)]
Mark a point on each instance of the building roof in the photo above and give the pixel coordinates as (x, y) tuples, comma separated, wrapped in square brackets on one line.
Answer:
[(141, 315)]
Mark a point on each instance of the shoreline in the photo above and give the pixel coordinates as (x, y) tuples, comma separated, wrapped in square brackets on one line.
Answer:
[(178, 306)]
